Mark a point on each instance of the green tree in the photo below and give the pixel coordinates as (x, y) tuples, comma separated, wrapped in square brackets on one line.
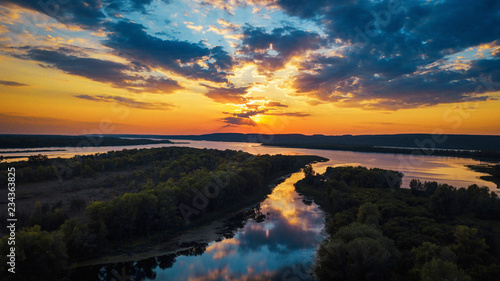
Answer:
[(470, 248), (368, 214), (444, 201), (38, 159), (40, 255), (357, 252), (439, 270), (308, 173)]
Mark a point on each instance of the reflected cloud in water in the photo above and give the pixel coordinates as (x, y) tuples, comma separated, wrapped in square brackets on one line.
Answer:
[(280, 246)]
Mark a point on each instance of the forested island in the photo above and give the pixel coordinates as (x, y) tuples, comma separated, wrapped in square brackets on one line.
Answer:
[(72, 210), (379, 231)]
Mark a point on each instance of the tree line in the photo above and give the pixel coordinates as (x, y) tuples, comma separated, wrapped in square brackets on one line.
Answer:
[(379, 231)]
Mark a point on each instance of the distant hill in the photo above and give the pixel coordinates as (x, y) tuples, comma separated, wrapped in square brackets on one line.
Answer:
[(460, 142), (33, 141)]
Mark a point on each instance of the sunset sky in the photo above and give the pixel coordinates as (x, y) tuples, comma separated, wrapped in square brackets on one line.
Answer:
[(259, 66)]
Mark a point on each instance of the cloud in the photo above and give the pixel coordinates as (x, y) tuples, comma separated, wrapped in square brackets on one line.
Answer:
[(290, 114), (237, 121), (12, 83), (275, 104), (195, 61), (127, 102), (394, 54), (271, 51), (352, 85), (228, 25), (191, 25), (230, 5), (127, 76), (227, 29), (119, 6), (244, 117), (89, 14), (233, 95), (86, 13), (248, 114), (371, 54)]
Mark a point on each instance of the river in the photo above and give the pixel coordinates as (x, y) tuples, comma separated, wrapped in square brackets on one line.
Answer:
[(450, 170), (276, 239)]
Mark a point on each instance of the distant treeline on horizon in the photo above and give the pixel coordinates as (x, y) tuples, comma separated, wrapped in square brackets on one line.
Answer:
[(426, 141), (34, 141), (486, 146)]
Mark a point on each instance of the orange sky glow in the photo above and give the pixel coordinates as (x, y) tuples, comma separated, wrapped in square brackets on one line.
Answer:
[(235, 68)]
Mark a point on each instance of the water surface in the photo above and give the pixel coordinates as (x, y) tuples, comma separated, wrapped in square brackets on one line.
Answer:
[(443, 169)]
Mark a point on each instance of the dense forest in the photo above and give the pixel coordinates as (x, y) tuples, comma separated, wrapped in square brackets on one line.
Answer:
[(171, 189), (32, 141), (378, 231)]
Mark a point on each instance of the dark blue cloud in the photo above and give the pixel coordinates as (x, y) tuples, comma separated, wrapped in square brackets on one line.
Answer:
[(302, 8), (389, 46), (430, 87), (85, 13), (286, 42), (117, 74), (130, 40)]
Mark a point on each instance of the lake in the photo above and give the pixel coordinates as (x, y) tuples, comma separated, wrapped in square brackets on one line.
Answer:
[(274, 240)]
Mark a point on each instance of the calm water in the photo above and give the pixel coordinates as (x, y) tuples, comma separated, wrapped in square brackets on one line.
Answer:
[(442, 169), (271, 249), (277, 239)]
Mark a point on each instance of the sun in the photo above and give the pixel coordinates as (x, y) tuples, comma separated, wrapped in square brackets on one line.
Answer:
[(257, 118)]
